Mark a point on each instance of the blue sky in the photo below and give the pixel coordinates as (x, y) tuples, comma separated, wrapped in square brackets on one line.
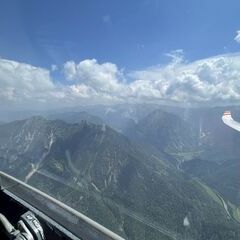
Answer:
[(132, 34), (55, 52)]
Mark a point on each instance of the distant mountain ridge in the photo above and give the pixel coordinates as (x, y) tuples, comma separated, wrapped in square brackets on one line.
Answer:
[(75, 117), (166, 132)]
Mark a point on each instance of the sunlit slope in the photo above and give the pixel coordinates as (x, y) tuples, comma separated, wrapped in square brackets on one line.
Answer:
[(101, 173), (25, 143), (167, 132)]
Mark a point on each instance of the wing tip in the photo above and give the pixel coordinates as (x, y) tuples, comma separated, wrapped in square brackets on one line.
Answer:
[(227, 113)]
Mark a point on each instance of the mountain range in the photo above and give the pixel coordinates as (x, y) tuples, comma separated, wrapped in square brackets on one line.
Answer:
[(145, 173)]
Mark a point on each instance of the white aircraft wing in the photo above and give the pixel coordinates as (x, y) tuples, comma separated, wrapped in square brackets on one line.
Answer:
[(228, 120)]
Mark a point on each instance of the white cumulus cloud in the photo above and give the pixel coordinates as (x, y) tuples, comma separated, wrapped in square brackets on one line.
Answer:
[(20, 81), (237, 37), (211, 81), (100, 77)]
